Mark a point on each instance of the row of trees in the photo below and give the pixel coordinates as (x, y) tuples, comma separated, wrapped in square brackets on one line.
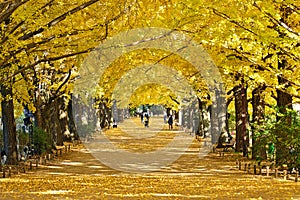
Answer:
[(42, 44), (255, 45), (262, 62)]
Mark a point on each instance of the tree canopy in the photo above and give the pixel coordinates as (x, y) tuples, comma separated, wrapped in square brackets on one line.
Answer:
[(254, 44)]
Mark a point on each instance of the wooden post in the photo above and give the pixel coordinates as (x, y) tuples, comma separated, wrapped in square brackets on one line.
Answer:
[(240, 165), (237, 163), (9, 172), (60, 152), (276, 172), (36, 163), (284, 174), (249, 167), (254, 169), (260, 169), (267, 170), (296, 176), (245, 168), (30, 165)]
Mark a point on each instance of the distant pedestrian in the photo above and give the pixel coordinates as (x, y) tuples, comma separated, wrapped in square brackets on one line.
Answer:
[(165, 117), (170, 122), (142, 117), (115, 125), (146, 120)]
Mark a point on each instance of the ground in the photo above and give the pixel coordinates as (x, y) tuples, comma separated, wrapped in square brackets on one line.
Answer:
[(80, 175)]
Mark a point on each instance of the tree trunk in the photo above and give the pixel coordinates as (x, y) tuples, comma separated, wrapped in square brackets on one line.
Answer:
[(71, 121), (45, 119), (104, 114), (9, 125), (241, 113), (201, 127), (258, 106), (284, 100), (60, 120)]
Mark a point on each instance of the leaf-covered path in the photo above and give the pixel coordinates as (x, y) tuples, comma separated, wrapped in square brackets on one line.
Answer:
[(79, 175)]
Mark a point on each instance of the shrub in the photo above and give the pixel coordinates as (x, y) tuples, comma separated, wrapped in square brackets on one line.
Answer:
[(41, 140), (283, 133)]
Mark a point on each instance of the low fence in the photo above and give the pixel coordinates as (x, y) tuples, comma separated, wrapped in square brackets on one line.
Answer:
[(267, 169), (34, 162)]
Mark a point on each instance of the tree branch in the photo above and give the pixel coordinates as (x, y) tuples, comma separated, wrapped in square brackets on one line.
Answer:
[(49, 59), (224, 16), (277, 22), (58, 19), (56, 93), (174, 100), (10, 6)]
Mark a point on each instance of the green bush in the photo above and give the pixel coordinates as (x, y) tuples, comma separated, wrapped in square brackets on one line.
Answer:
[(41, 140), (283, 135)]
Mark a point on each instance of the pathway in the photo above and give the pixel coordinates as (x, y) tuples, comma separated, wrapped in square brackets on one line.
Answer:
[(80, 175)]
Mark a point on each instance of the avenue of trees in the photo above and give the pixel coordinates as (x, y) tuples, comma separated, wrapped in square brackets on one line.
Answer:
[(255, 45)]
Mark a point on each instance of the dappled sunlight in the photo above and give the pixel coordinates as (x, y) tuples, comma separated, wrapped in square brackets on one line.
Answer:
[(54, 192), (59, 173), (72, 163), (96, 167), (141, 140), (79, 175), (53, 167)]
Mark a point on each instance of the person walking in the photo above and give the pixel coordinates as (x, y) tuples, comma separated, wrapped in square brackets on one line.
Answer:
[(170, 122), (142, 117), (165, 117), (146, 120)]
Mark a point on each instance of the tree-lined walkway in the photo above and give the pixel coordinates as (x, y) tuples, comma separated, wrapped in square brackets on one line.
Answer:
[(79, 175)]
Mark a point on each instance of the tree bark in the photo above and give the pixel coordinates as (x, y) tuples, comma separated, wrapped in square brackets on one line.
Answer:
[(60, 120), (241, 113), (218, 114), (71, 121), (258, 106), (9, 125), (284, 100), (201, 127)]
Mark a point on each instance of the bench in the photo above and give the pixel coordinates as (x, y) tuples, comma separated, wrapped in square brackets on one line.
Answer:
[(225, 146), (57, 150), (230, 145)]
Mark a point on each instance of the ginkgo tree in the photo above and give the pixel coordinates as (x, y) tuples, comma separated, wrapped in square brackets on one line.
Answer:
[(153, 94), (37, 39), (255, 45), (260, 41)]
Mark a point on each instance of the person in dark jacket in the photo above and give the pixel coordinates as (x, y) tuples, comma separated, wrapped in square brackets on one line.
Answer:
[(170, 122)]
